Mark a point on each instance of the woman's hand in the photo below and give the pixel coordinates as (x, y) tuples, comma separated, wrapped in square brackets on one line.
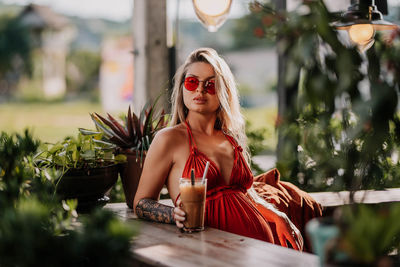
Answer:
[(288, 231), (179, 214)]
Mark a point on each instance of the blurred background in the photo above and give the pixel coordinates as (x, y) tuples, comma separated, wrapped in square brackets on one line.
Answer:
[(61, 60)]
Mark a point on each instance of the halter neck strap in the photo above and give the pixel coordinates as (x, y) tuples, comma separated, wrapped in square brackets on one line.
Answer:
[(192, 144), (233, 142)]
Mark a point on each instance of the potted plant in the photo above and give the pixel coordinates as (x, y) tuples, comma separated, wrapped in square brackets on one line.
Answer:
[(35, 222), (132, 137), (87, 167), (342, 130)]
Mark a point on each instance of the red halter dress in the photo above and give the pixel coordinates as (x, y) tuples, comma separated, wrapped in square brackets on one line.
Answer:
[(227, 206)]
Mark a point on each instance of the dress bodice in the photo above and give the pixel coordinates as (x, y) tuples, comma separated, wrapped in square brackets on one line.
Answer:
[(240, 177), (227, 206)]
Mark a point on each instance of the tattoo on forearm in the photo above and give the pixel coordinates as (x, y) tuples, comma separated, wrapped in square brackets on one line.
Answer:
[(150, 209)]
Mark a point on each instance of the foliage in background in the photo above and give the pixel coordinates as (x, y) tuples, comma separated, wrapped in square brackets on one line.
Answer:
[(15, 54), (246, 32), (34, 222), (343, 130), (380, 236), (261, 120), (117, 192), (83, 70), (255, 140)]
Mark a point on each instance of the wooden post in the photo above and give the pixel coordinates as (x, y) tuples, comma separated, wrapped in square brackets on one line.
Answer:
[(282, 94), (151, 67)]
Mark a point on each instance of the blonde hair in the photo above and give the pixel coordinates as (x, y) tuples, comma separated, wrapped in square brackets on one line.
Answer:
[(229, 118)]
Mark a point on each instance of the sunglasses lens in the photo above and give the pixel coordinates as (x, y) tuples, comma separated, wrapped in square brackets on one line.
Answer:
[(210, 87), (191, 83)]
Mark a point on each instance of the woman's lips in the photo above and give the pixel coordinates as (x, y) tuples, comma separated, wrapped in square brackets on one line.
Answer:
[(200, 100)]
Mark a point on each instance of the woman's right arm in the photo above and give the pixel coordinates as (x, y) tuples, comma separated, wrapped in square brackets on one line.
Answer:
[(158, 163), (150, 209)]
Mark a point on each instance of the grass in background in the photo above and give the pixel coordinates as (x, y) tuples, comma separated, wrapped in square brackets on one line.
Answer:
[(52, 122)]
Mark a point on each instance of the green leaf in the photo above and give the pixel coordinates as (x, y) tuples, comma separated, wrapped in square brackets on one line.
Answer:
[(75, 155), (129, 123), (120, 158), (88, 132), (55, 148), (104, 144), (110, 134), (88, 154)]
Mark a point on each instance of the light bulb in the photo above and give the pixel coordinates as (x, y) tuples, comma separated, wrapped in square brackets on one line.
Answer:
[(212, 7), (212, 13), (361, 34)]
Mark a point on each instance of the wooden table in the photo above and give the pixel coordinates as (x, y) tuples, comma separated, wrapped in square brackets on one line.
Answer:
[(335, 199), (164, 245)]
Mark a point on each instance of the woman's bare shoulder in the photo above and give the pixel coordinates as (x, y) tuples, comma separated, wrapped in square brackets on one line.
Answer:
[(171, 135)]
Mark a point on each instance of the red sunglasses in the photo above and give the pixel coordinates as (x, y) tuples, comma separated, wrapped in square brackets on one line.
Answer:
[(191, 84)]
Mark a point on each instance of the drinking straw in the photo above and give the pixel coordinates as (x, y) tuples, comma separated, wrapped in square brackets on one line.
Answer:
[(205, 172), (192, 176)]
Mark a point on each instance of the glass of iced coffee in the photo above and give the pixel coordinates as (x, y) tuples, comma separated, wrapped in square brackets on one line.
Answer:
[(193, 197)]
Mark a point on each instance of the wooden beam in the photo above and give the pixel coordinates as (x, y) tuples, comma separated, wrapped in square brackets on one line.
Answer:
[(151, 67)]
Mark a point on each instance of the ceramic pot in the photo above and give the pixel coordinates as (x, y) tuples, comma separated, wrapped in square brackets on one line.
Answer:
[(130, 175), (320, 232), (89, 186)]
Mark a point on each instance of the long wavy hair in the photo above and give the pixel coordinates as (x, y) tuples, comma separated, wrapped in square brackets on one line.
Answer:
[(229, 118)]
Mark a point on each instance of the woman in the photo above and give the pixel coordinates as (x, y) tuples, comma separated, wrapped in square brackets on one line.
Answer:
[(207, 126)]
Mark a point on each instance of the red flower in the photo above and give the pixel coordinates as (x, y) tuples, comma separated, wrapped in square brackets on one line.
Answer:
[(367, 126), (267, 20), (278, 121), (259, 32)]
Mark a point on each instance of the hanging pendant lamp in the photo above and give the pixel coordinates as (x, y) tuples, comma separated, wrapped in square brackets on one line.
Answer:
[(361, 21), (212, 13)]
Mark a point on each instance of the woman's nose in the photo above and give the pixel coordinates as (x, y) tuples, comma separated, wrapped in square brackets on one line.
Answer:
[(201, 88)]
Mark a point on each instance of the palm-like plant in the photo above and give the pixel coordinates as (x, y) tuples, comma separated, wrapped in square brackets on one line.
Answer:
[(132, 136), (133, 133)]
